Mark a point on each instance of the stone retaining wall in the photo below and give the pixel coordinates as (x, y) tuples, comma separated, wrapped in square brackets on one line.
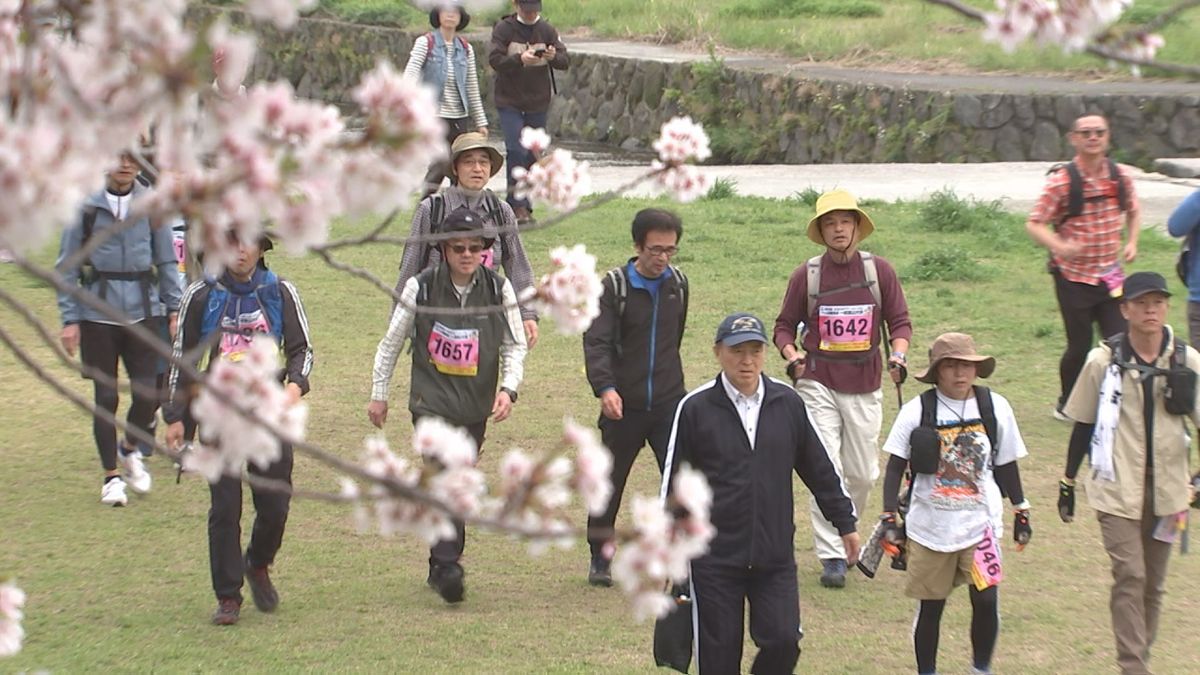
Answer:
[(762, 117)]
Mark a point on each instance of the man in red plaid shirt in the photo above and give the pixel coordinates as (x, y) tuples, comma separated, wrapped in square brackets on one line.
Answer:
[(1085, 247)]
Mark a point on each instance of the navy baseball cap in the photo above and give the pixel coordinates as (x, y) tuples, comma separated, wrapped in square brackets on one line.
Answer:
[(1141, 283), (740, 327)]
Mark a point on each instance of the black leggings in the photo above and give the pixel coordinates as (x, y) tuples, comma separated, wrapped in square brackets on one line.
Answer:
[(100, 347), (985, 628), (1082, 305)]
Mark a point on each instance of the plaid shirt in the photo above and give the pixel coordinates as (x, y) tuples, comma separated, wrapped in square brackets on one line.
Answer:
[(1098, 226)]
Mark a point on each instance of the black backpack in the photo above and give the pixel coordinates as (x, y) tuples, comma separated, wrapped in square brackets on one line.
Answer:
[(620, 285), (437, 211), (1075, 197), (987, 413)]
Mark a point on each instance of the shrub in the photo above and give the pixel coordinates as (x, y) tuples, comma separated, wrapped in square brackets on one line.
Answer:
[(949, 263), (947, 212), (722, 188)]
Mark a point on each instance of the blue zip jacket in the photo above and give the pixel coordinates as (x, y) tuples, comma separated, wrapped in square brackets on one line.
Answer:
[(135, 249), (1185, 222)]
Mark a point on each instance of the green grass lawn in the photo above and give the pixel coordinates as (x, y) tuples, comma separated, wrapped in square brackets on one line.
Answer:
[(868, 33), (128, 589)]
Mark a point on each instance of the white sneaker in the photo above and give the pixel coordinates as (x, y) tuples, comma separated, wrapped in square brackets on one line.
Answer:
[(134, 472), (113, 493)]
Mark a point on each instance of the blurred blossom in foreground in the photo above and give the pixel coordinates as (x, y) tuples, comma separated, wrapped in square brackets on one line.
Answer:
[(571, 292), (12, 599)]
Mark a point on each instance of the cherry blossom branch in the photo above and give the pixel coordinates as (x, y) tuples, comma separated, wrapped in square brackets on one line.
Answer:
[(1100, 50)]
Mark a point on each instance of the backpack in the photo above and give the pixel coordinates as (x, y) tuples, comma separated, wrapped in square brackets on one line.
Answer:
[(987, 413), (870, 274), (437, 211), (88, 274), (1075, 190), (1183, 262), (620, 283)]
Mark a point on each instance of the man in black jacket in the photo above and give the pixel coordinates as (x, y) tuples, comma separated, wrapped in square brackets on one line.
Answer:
[(746, 433), (525, 49), (248, 299), (631, 352)]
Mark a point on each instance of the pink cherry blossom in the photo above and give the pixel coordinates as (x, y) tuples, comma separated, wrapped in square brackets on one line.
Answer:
[(232, 55), (535, 140), (250, 383), (281, 13), (556, 179), (683, 182), (593, 466), (682, 140), (12, 599), (571, 292)]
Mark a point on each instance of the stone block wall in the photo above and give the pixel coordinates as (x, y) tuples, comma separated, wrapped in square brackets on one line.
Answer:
[(761, 117)]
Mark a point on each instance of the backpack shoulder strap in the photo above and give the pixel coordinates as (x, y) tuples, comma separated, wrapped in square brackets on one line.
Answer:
[(1114, 343), (1114, 174), (89, 224), (491, 205), (620, 286), (429, 43), (463, 41), (929, 408), (1074, 192), (1179, 359), (987, 412), (683, 294), (813, 267), (437, 212), (871, 276)]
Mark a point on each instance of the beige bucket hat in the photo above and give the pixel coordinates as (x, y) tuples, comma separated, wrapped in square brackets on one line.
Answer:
[(955, 346)]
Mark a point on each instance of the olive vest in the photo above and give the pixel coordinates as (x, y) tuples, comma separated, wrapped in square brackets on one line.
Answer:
[(456, 357)]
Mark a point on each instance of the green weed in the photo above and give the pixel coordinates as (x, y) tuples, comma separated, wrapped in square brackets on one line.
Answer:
[(722, 188), (951, 263)]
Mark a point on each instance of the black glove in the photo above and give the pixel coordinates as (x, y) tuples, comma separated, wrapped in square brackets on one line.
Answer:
[(1022, 532), (893, 534), (794, 365), (1066, 501)]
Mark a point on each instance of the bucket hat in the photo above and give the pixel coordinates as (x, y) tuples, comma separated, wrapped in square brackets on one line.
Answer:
[(955, 346), (839, 200), (473, 140)]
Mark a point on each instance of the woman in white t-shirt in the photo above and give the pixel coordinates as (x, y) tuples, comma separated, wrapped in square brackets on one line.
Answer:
[(954, 522)]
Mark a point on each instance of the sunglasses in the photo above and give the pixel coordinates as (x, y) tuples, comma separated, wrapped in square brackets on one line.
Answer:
[(460, 249), (1088, 133)]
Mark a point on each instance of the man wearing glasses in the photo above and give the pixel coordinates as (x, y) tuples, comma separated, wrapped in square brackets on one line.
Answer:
[(458, 358), (1078, 219), (631, 352)]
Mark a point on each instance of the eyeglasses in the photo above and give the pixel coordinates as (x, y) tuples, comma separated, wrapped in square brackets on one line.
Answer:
[(460, 249), (659, 251), (1088, 133)]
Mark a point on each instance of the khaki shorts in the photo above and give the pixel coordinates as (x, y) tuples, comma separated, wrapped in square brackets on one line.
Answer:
[(933, 574)]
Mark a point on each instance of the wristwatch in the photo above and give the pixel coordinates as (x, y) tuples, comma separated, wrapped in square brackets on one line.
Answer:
[(512, 395)]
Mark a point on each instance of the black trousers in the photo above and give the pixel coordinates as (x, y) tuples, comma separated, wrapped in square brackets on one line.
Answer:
[(1082, 305), (625, 438), (225, 525), (449, 551), (720, 593), (101, 345)]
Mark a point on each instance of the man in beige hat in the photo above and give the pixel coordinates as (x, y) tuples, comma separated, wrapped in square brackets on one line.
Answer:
[(473, 161), (1140, 382), (839, 303), (961, 443)]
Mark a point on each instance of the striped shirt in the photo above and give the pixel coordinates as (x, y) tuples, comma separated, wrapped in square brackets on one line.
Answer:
[(1097, 227), (450, 107)]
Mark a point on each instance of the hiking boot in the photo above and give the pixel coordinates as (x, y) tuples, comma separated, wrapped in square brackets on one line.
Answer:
[(599, 573), (133, 471), (228, 611), (524, 217), (113, 493), (834, 573), (447, 580), (266, 598)]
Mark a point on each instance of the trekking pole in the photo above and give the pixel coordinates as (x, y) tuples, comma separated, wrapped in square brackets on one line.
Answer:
[(887, 349)]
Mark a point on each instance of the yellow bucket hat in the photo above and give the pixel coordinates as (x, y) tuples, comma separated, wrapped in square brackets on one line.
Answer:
[(839, 200)]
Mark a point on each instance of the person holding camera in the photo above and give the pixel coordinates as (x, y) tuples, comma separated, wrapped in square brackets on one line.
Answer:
[(960, 442), (1131, 403), (525, 52)]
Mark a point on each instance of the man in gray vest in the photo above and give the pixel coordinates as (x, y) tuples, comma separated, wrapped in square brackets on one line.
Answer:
[(458, 359)]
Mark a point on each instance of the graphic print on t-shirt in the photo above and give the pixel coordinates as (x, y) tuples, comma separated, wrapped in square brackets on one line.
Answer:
[(236, 337), (959, 482)]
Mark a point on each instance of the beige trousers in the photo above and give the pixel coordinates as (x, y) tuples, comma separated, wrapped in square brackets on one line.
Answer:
[(849, 427), (1139, 570)]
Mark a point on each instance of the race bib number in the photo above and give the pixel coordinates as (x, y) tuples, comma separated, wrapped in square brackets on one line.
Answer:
[(488, 258), (845, 328), (987, 571), (454, 351), (180, 243)]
